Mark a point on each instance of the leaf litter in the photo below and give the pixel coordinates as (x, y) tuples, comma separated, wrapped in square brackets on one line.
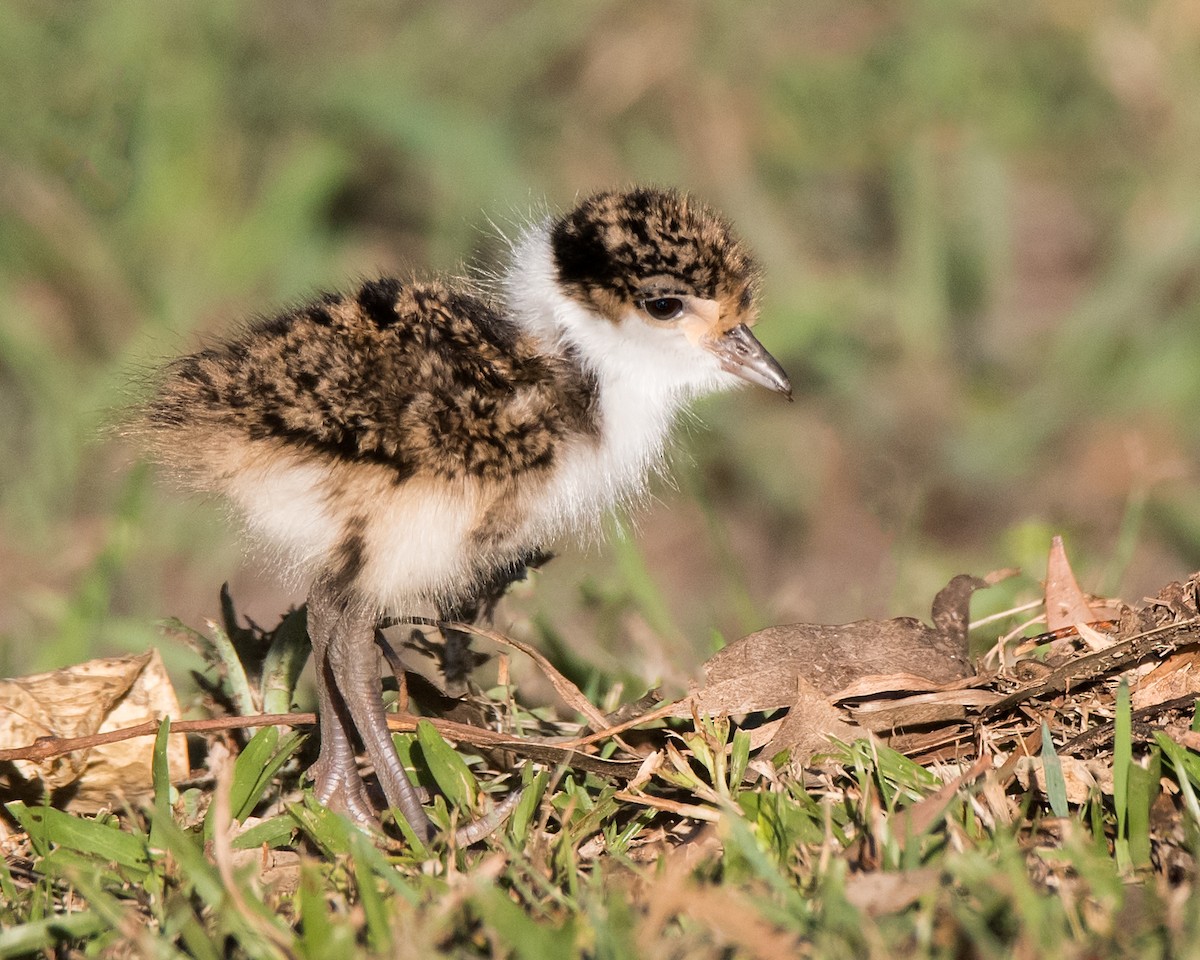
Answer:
[(791, 707)]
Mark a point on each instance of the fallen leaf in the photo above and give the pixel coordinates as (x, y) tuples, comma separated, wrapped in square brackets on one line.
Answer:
[(1177, 676), (808, 727), (758, 672), (865, 688), (948, 743), (803, 666), (278, 870), (1066, 603), (1093, 639), (1077, 775), (921, 709), (878, 894), (81, 700), (1189, 739)]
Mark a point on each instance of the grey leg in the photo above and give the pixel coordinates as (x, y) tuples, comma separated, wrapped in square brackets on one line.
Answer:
[(336, 780), (348, 684)]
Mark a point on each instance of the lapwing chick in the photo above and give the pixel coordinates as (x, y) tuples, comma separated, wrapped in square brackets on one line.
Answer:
[(408, 445)]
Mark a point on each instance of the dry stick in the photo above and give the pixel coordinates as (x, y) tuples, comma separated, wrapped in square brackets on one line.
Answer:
[(396, 665), (1114, 659), (46, 747), (658, 713), (1102, 732), (542, 750), (570, 693), (546, 751), (707, 814)]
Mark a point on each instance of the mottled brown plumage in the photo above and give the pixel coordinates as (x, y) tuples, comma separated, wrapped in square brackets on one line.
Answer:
[(417, 377), (414, 444)]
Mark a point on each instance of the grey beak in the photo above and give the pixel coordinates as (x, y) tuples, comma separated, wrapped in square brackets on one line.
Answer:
[(740, 353)]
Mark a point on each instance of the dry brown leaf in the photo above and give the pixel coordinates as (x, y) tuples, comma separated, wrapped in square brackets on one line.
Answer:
[(277, 870), (1078, 776), (867, 687), (1066, 603), (808, 727), (802, 666), (920, 709), (879, 894), (1093, 639), (948, 743), (759, 671), (915, 820), (1189, 738), (88, 698), (1177, 676), (763, 734)]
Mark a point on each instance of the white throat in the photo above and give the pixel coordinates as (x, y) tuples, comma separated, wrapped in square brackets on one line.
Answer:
[(644, 375)]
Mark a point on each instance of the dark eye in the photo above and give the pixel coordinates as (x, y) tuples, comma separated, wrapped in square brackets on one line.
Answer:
[(663, 308)]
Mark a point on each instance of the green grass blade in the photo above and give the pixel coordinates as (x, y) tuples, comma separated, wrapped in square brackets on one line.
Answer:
[(1143, 790), (235, 673), (266, 776), (1056, 783), (202, 876), (284, 662), (1187, 774), (330, 832), (197, 941), (1122, 763), (162, 782), (255, 770), (379, 934), (321, 934), (739, 760), (48, 827), (248, 919), (248, 782), (43, 935), (521, 933), (8, 889), (276, 832), (528, 805), (448, 769)]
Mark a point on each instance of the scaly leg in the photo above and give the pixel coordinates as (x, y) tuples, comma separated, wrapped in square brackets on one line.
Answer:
[(350, 693), (336, 780)]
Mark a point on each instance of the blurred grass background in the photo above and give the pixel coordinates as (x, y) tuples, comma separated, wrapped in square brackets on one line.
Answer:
[(980, 225)]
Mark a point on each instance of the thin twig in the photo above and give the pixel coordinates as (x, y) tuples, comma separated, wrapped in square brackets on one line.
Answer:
[(1115, 659), (692, 810), (45, 747), (1102, 732), (570, 693)]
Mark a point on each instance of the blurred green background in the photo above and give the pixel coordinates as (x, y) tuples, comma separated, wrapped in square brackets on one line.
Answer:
[(980, 224)]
